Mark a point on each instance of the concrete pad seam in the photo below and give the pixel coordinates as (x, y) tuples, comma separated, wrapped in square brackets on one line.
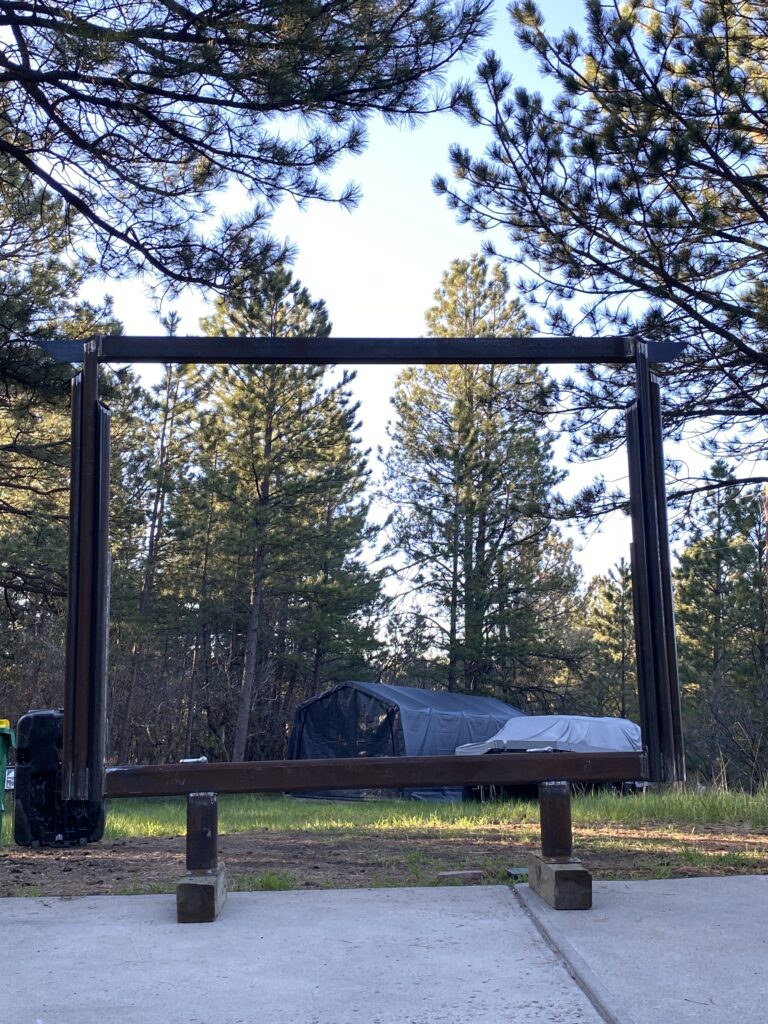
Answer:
[(572, 961)]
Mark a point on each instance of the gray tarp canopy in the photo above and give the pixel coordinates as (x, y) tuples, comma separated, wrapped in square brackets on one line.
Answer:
[(380, 720), (562, 732)]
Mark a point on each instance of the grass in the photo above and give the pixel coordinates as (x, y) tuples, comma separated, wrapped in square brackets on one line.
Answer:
[(268, 881), (30, 890), (167, 817), (657, 834), (129, 818), (6, 833), (675, 807), (651, 835), (280, 814)]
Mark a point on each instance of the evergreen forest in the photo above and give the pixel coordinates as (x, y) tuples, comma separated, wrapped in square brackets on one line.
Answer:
[(257, 559), (260, 553)]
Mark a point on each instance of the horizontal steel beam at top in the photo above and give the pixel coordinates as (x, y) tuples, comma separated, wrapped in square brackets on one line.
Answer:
[(361, 351), (373, 773)]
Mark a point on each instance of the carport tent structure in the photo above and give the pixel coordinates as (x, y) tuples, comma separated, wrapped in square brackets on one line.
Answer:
[(84, 776), (360, 719)]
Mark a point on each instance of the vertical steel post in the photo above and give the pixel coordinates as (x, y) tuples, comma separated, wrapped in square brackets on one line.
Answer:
[(667, 594), (84, 728), (652, 581), (648, 698), (69, 769)]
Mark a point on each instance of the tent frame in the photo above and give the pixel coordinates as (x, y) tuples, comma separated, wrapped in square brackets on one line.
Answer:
[(84, 747)]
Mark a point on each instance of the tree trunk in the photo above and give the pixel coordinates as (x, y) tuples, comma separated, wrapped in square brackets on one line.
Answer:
[(156, 522), (250, 660), (453, 624)]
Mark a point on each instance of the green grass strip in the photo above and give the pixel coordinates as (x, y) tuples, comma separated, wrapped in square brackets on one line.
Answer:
[(167, 817), (277, 814)]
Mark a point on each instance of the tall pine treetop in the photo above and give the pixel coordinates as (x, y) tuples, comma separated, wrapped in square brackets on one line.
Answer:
[(135, 113), (636, 198)]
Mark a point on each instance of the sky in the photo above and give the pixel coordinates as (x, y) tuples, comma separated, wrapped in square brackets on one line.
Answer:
[(377, 267)]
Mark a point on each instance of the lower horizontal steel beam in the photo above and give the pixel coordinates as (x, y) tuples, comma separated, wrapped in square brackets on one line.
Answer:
[(373, 773)]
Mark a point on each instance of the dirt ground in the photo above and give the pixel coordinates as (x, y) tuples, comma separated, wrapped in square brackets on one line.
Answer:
[(301, 860)]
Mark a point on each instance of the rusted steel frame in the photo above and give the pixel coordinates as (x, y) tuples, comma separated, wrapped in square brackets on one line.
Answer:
[(356, 351), (363, 351), (99, 638), (202, 832), (77, 722), (88, 598), (70, 727), (652, 583), (653, 515), (88, 589), (667, 596), (555, 818), (648, 699), (372, 772)]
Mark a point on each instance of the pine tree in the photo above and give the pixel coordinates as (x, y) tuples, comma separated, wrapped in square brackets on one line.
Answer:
[(469, 474), (136, 115), (152, 450), (721, 598), (609, 680), (634, 202), (291, 475), (38, 288), (239, 586)]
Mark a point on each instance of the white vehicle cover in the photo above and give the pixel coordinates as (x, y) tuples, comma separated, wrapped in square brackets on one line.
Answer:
[(560, 732)]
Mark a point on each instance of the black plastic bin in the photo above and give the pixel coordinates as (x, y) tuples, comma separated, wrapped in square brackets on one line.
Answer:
[(40, 816), (6, 742)]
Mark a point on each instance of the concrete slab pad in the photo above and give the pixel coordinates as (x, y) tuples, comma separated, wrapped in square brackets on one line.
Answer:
[(683, 951), (388, 956)]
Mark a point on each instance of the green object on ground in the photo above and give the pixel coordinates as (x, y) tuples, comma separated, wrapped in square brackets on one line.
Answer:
[(7, 740)]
